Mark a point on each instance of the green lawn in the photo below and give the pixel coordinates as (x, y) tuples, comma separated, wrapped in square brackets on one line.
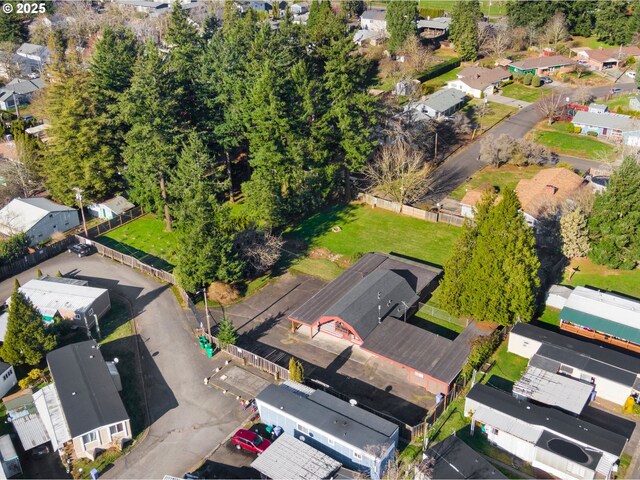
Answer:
[(493, 114), (522, 92), (504, 178), (507, 369), (441, 80), (574, 144), (317, 267), (590, 42), (367, 229), (488, 7), (146, 240), (589, 274), (550, 318), (115, 324), (620, 103)]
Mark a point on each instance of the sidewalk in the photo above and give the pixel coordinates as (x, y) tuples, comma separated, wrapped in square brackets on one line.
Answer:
[(512, 102)]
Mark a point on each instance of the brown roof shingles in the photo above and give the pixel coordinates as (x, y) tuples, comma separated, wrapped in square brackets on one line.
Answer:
[(550, 186), (480, 78), (544, 62)]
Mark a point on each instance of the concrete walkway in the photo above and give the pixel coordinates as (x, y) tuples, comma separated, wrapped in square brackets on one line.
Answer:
[(512, 102)]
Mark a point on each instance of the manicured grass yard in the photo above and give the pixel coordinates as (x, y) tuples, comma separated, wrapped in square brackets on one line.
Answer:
[(550, 318), (441, 81), (493, 114), (493, 7), (621, 102), (626, 282), (367, 229), (507, 370), (591, 42), (522, 92), (318, 267), (504, 178), (574, 144), (146, 240)]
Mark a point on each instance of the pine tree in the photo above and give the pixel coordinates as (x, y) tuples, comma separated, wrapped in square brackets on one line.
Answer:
[(149, 109), (353, 8), (80, 153), (226, 333), (464, 28), (12, 26), (611, 24), (401, 22), (575, 234), (112, 63), (492, 274), (614, 226), (26, 340)]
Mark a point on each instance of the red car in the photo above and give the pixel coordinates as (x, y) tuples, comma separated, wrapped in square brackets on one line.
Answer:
[(250, 441)]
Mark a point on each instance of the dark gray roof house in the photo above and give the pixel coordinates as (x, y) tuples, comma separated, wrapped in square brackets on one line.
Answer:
[(87, 392), (441, 103), (452, 459)]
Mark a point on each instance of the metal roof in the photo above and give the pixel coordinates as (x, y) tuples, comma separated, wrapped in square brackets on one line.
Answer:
[(440, 101), (532, 419), (7, 450), (21, 214), (600, 324), (336, 418), (380, 294), (31, 430), (292, 459), (454, 459), (596, 353), (48, 404), (117, 204), (438, 23), (4, 320), (614, 121), (50, 296), (555, 390), (87, 392), (605, 305)]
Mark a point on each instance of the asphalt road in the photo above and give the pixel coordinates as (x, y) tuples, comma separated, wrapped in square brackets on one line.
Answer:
[(462, 165), (188, 419)]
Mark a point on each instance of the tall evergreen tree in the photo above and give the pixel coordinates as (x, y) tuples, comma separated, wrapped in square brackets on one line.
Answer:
[(401, 22), (112, 63), (149, 109), (80, 153), (494, 266), (464, 28), (611, 22), (523, 13), (614, 226), (12, 25), (353, 8), (26, 340)]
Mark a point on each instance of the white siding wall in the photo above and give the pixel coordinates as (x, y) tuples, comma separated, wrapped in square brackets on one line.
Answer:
[(523, 346), (612, 391), (53, 222), (373, 25), (463, 87), (7, 381), (513, 445)]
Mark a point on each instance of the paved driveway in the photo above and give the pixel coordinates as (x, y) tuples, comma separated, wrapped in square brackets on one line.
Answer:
[(188, 419)]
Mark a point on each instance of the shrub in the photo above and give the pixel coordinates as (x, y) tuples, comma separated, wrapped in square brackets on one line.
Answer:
[(571, 127), (535, 81), (527, 79), (577, 129), (482, 348), (518, 77), (592, 134)]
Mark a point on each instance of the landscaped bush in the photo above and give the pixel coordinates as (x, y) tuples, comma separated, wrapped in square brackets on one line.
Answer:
[(535, 81), (577, 129), (592, 134), (527, 79), (571, 128), (518, 77), (482, 348)]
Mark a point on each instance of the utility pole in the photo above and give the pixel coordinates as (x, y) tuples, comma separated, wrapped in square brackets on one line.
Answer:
[(15, 104), (435, 153), (206, 309), (79, 198)]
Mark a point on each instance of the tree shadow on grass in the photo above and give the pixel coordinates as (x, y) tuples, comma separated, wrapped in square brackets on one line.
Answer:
[(138, 254)]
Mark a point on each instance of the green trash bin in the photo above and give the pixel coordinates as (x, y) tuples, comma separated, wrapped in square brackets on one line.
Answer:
[(209, 351)]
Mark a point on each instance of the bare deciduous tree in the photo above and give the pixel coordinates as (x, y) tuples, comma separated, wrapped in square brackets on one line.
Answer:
[(583, 95), (499, 42), (550, 106), (520, 37), (418, 57), (260, 250), (399, 171), (555, 30), (506, 149)]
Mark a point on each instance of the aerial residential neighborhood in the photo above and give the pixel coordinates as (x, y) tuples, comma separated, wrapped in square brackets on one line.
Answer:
[(326, 239)]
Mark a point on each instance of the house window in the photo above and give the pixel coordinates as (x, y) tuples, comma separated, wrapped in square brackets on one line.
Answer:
[(357, 455), (90, 437), (77, 316), (331, 441), (302, 429), (117, 428), (6, 375)]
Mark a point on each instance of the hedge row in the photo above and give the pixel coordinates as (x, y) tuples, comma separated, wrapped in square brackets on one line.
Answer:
[(439, 69)]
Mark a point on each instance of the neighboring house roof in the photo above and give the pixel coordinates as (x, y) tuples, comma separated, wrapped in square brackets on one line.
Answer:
[(371, 300), (438, 23), (613, 121), (21, 214), (53, 296), (454, 459), (424, 351), (4, 320), (480, 78), (547, 418), (472, 197), (603, 55), (31, 430), (364, 35), (549, 186), (443, 100), (24, 87), (4, 367), (552, 389), (52, 416), (19, 402), (417, 275), (288, 457), (87, 393), (336, 418), (584, 355), (543, 62), (374, 15), (32, 49), (118, 204), (604, 312)]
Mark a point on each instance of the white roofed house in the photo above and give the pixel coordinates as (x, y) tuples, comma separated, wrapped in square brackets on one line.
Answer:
[(19, 92), (479, 81), (39, 218), (32, 57), (375, 20), (110, 208)]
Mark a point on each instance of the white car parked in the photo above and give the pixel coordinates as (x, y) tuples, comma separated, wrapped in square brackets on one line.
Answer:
[(631, 73)]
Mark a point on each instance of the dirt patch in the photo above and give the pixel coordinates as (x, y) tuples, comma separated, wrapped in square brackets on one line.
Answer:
[(322, 252), (223, 293), (586, 266)]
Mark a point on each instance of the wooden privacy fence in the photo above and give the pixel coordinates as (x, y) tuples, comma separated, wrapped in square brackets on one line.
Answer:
[(35, 258), (116, 222), (129, 261), (248, 358), (435, 217)]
